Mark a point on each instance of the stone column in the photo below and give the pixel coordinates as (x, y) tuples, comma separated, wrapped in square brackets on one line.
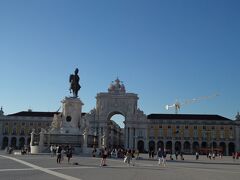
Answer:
[(173, 146), (130, 138), (103, 141), (135, 142), (9, 141), (134, 138), (146, 147), (156, 145), (126, 137), (237, 137), (1, 142), (227, 150), (99, 140), (112, 137)]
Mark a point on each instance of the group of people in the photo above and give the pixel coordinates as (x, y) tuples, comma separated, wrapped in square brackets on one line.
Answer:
[(162, 155), (235, 155), (60, 151), (129, 155)]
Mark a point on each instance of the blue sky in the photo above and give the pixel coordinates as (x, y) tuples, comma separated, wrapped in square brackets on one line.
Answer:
[(161, 50)]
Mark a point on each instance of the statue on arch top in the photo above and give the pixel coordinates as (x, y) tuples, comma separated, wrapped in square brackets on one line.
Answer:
[(74, 83)]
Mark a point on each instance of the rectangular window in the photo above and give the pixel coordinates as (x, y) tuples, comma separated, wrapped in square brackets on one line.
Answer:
[(5, 131), (195, 133), (231, 134), (221, 134), (169, 133), (14, 131), (160, 133), (213, 135), (204, 135), (151, 133)]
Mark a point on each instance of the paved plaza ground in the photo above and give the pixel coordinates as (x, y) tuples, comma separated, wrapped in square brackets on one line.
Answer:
[(44, 167)]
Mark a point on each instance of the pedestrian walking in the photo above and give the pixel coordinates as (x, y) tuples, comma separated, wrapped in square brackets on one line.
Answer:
[(134, 155), (58, 152), (62, 154), (162, 155), (159, 154), (51, 150), (213, 156), (69, 153), (128, 157), (104, 157), (197, 155), (94, 152), (181, 155)]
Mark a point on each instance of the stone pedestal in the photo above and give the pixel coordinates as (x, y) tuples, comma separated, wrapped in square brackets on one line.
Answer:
[(71, 115), (35, 149)]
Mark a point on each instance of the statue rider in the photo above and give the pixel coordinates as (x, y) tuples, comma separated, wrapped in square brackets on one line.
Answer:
[(74, 83)]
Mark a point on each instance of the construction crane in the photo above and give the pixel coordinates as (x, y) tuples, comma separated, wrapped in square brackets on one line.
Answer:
[(177, 105)]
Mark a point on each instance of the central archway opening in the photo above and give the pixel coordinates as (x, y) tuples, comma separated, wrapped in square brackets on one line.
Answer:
[(119, 120), (116, 130)]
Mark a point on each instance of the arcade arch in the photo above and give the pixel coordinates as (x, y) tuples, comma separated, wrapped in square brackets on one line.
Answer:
[(222, 145), (21, 142), (195, 146), (140, 146), (115, 128), (5, 142)]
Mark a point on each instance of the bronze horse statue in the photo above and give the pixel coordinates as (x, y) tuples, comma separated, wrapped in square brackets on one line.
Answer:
[(74, 83)]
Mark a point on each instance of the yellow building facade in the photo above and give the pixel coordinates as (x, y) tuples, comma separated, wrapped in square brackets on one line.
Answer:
[(189, 133)]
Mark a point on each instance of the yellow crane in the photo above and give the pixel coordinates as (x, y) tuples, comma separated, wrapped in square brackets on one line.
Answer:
[(177, 105)]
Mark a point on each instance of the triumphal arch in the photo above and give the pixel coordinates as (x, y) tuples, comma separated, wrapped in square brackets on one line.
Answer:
[(108, 104)]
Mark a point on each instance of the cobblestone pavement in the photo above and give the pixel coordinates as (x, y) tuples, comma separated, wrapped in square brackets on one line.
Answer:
[(44, 167)]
